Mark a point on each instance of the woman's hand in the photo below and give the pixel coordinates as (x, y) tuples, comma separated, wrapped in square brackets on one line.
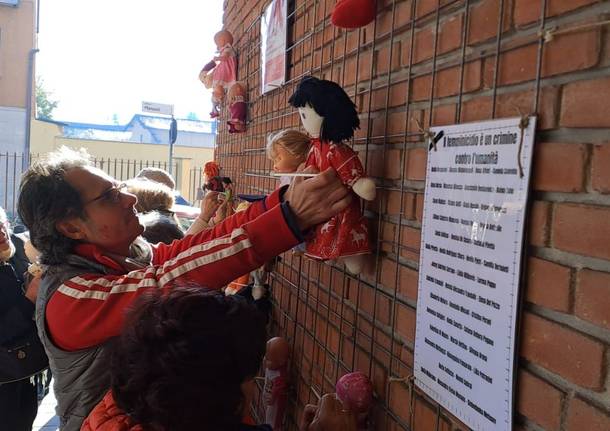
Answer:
[(329, 416), (209, 205)]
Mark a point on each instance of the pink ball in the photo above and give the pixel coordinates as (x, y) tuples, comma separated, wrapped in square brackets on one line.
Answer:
[(355, 391)]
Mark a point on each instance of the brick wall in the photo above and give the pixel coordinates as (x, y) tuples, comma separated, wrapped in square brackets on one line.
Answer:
[(434, 62)]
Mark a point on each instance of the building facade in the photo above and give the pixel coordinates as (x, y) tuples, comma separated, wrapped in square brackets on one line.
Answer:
[(17, 42)]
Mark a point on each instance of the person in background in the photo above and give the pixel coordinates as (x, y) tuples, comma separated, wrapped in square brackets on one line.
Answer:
[(154, 207), (187, 360), (85, 226), (18, 399), (163, 177)]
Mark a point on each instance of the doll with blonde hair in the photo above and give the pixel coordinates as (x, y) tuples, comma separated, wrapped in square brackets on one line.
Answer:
[(287, 149)]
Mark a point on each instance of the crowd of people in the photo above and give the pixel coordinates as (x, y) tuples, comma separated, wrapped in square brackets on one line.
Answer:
[(128, 310)]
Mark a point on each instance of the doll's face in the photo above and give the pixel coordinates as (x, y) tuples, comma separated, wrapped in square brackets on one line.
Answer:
[(284, 161), (311, 120), (276, 355), (223, 38)]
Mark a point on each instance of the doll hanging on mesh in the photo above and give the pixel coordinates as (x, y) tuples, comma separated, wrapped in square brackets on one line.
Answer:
[(220, 73), (330, 118)]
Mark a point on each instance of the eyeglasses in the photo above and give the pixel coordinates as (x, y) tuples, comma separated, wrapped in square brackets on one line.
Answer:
[(110, 196)]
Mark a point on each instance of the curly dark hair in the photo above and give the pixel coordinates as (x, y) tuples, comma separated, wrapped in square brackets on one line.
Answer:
[(332, 103), (182, 357), (45, 198)]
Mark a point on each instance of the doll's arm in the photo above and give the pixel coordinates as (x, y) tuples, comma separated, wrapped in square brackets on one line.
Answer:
[(350, 170), (347, 164), (225, 54)]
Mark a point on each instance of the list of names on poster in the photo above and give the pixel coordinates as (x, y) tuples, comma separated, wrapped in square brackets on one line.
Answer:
[(472, 234)]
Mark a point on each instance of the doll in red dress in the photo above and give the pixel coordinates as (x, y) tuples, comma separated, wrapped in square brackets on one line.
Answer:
[(330, 118), (275, 391)]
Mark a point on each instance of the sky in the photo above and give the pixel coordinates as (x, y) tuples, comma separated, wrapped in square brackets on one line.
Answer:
[(101, 59)]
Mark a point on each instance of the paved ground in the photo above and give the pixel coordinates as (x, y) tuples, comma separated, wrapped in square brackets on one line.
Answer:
[(46, 419)]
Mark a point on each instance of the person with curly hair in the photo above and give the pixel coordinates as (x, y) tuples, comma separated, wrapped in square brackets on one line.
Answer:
[(85, 226), (186, 360)]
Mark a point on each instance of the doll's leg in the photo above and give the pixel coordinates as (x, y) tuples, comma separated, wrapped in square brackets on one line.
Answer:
[(354, 264)]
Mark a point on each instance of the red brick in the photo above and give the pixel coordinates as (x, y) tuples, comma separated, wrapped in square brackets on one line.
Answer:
[(571, 52), (447, 81), (582, 229), (507, 105), (419, 207), (426, 418), (600, 172), (393, 165), (388, 273), (416, 164), (586, 104), (476, 109), (400, 398), (405, 321), (559, 167), (548, 284), (539, 401), (424, 7), (383, 59), (539, 223), (593, 297), (528, 11), (393, 202), (516, 65), (584, 417), (408, 282), (423, 48), (563, 351), (441, 115), (450, 36), (402, 13), (484, 20)]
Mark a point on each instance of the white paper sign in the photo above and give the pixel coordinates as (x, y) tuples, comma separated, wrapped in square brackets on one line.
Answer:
[(472, 235), (273, 45)]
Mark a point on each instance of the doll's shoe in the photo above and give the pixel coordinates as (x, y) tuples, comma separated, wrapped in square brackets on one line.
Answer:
[(353, 13)]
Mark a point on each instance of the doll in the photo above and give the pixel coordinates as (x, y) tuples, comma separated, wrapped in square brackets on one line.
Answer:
[(355, 391), (225, 73), (238, 108), (220, 73), (287, 149), (330, 118), (353, 13), (275, 391)]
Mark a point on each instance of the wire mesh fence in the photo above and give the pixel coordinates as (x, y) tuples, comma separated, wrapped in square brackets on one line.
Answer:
[(421, 63)]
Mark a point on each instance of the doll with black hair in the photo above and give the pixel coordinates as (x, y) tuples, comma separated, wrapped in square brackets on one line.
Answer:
[(330, 118)]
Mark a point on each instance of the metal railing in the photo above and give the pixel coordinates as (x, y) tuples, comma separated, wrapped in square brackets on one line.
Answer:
[(13, 165)]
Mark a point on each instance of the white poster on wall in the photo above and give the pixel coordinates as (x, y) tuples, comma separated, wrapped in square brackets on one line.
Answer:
[(273, 45), (472, 236)]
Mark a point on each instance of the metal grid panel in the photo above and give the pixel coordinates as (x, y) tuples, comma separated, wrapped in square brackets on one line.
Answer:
[(420, 63)]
